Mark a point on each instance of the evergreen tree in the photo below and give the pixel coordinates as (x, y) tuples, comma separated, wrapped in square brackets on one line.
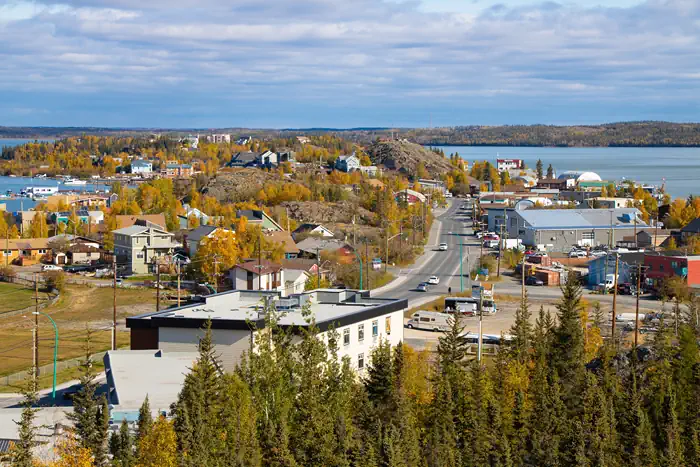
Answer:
[(451, 346), (121, 447), (21, 455), (539, 167), (521, 332), (145, 421), (567, 346), (379, 381), (550, 171), (598, 316), (90, 414), (441, 443), (673, 454)]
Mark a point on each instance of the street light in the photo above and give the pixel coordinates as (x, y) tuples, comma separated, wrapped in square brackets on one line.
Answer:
[(387, 249), (55, 350)]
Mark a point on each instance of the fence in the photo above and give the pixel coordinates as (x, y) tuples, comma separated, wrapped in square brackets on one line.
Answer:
[(44, 370)]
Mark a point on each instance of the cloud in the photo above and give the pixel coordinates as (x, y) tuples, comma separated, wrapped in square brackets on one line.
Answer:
[(335, 62)]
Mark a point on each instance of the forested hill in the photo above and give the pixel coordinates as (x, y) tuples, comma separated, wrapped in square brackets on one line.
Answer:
[(612, 134)]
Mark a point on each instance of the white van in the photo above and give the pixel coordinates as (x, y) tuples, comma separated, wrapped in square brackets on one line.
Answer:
[(429, 321)]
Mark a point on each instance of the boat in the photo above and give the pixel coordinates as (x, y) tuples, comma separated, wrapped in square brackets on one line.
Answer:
[(74, 182)]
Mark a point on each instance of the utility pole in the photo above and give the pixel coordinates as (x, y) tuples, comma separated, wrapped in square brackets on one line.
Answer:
[(636, 243), (157, 286), (318, 268), (7, 245), (216, 274), (386, 263), (500, 252), (481, 315), (614, 310), (36, 327), (114, 302), (656, 230), (461, 272), (178, 284), (260, 261), (369, 287), (522, 278), (636, 312)]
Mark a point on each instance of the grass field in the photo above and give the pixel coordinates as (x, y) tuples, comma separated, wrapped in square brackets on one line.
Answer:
[(46, 381), (16, 297), (77, 308)]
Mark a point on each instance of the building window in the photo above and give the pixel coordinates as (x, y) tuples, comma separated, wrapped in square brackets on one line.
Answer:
[(375, 328), (360, 332), (346, 336), (661, 267), (674, 264), (360, 361), (587, 235), (387, 325)]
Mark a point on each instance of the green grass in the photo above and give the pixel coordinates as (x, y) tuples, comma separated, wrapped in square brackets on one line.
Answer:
[(46, 381), (16, 297), (150, 277)]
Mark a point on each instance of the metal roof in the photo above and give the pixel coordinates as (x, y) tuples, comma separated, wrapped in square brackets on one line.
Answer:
[(580, 218)]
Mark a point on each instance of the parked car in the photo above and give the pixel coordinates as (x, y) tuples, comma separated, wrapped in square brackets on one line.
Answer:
[(433, 280), (627, 289), (429, 321), (442, 247), (490, 243), (531, 280), (51, 267), (422, 287), (578, 254)]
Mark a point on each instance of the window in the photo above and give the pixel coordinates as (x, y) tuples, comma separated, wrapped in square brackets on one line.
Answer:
[(674, 264), (387, 324), (587, 235), (139, 256), (360, 361), (360, 332), (661, 267), (375, 328), (346, 336)]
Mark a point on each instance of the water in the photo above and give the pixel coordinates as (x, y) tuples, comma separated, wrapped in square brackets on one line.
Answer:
[(679, 166), (16, 142), (17, 183)]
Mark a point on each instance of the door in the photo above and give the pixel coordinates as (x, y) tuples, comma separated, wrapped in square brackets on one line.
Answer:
[(250, 280)]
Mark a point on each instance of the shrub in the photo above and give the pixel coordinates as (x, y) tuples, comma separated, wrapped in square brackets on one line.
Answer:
[(55, 280)]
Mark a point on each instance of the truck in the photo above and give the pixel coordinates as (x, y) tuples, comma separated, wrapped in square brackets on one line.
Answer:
[(609, 283), (430, 321), (510, 243)]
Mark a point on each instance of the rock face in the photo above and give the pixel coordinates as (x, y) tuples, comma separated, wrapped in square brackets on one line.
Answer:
[(405, 157), (241, 185), (324, 212)]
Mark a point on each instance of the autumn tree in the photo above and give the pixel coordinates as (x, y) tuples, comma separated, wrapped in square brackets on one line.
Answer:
[(216, 254), (158, 448)]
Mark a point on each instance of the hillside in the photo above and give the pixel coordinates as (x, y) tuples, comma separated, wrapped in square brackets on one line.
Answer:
[(241, 185), (406, 157)]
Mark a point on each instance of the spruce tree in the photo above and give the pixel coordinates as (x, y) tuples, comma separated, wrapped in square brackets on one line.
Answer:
[(379, 381), (145, 421), (521, 332), (21, 455), (238, 416), (539, 168), (567, 347), (121, 446), (550, 171), (90, 413), (441, 439), (451, 346), (673, 452)]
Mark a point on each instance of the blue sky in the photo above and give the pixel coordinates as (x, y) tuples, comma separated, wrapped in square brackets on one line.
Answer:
[(345, 63)]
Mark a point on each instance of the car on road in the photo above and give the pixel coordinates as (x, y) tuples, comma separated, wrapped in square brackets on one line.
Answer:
[(491, 244), (533, 281), (430, 321), (51, 267), (433, 280), (422, 287), (442, 247), (578, 254), (627, 289)]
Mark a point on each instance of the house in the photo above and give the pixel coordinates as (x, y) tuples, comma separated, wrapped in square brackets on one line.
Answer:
[(410, 196), (237, 319), (300, 264), (126, 220), (191, 212), (175, 170), (526, 180), (311, 247), (509, 164), (295, 281), (600, 202), (260, 218), (64, 217), (369, 170), (194, 237), (552, 183), (347, 163), (192, 141), (244, 140), (627, 264), (662, 266), (312, 229), (427, 185), (258, 275), (24, 219), (303, 139), (561, 229), (690, 230), (648, 238), (142, 245), (285, 238), (244, 159), (141, 167), (24, 251), (71, 249), (219, 138), (286, 156)]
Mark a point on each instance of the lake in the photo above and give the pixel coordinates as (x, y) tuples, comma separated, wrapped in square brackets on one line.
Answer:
[(679, 166), (16, 142), (17, 183)]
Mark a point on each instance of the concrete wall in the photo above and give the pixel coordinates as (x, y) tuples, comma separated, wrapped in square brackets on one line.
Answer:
[(564, 240)]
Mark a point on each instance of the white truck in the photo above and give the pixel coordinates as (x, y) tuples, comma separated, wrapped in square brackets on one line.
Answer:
[(430, 321), (510, 243)]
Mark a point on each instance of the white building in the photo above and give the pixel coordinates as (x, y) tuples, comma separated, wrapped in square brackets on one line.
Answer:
[(254, 275), (219, 138), (141, 166), (192, 140), (347, 163), (237, 318), (509, 164)]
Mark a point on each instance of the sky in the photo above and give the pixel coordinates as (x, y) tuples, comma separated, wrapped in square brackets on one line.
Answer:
[(346, 63)]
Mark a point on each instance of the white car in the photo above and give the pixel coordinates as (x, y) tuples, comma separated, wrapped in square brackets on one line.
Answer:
[(51, 267), (433, 280), (577, 254), (442, 247)]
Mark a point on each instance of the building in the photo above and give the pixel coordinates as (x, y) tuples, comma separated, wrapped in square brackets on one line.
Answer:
[(690, 230), (432, 185), (175, 170), (562, 229), (360, 321), (141, 167), (347, 163), (284, 238), (142, 245), (509, 164), (80, 201), (574, 178), (295, 281), (260, 218), (660, 267), (194, 237), (312, 229), (219, 138), (369, 170), (71, 249), (627, 265), (127, 220), (303, 139), (24, 251), (410, 196), (134, 374), (244, 140), (649, 238), (258, 275), (600, 202), (191, 212), (551, 183), (244, 159), (311, 247), (64, 217), (192, 141)]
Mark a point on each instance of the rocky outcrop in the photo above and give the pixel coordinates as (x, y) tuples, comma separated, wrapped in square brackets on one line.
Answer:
[(405, 157)]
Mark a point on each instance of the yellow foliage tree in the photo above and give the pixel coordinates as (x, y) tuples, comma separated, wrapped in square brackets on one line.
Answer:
[(216, 254), (159, 447), (71, 454)]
